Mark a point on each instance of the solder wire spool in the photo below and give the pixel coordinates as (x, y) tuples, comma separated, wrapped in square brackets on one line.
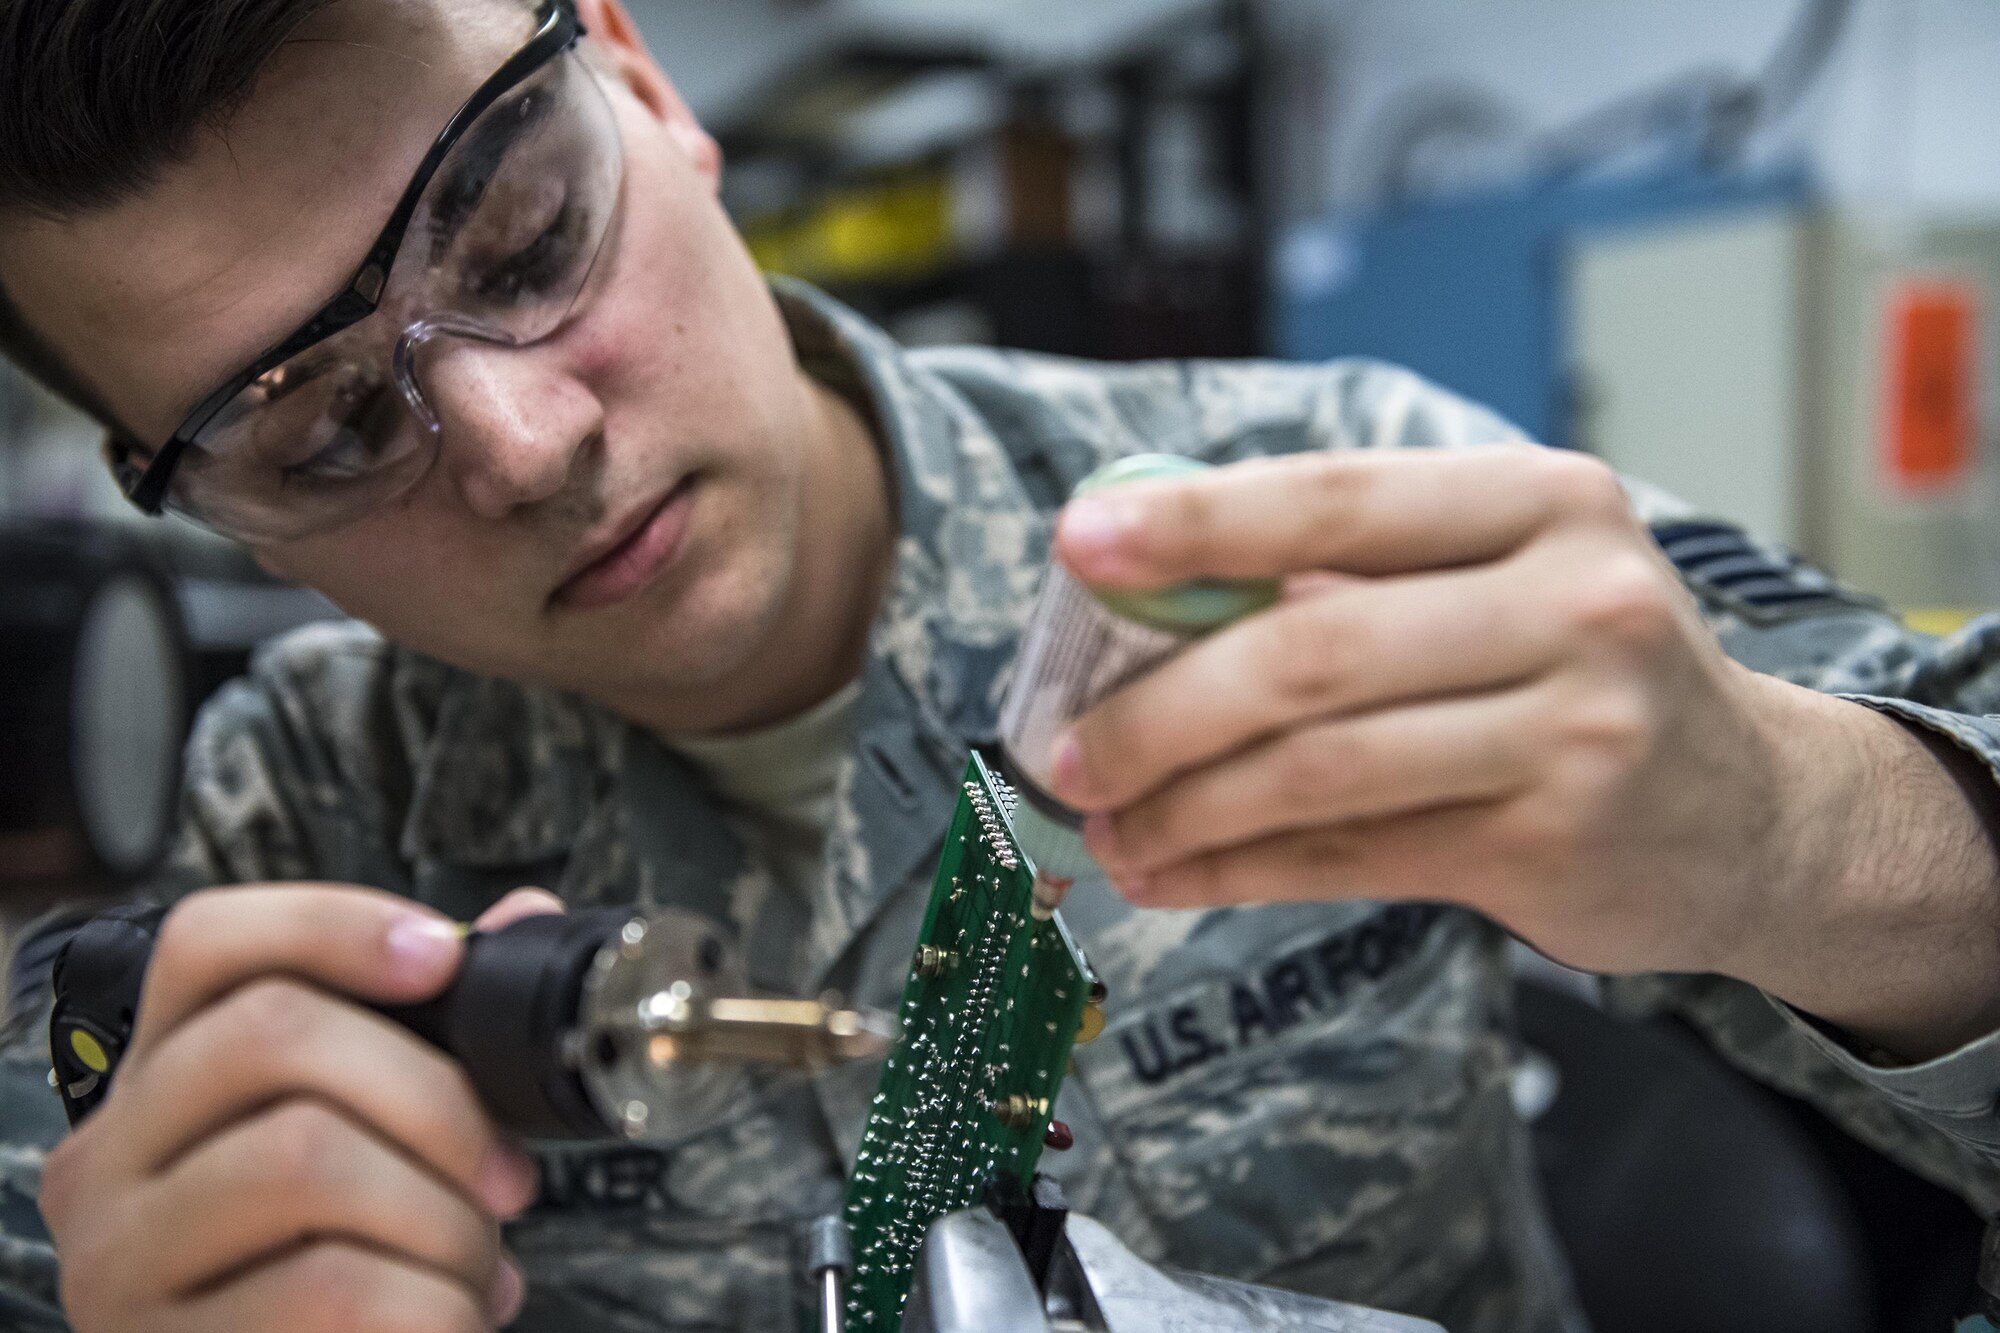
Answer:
[(1081, 644)]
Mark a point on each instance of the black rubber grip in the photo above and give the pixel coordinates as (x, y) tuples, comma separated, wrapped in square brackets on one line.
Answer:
[(509, 1013), (505, 1017)]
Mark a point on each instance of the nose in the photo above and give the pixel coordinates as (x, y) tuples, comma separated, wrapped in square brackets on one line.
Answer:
[(511, 422)]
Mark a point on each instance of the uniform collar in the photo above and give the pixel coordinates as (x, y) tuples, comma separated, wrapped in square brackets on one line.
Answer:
[(967, 564), (971, 539)]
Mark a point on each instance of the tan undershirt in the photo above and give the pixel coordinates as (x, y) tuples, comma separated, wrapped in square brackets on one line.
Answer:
[(778, 782)]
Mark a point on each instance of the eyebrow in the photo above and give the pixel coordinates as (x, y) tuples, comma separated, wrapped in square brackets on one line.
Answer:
[(459, 191), (462, 187)]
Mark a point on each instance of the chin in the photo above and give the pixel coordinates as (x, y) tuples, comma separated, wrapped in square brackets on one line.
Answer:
[(704, 634)]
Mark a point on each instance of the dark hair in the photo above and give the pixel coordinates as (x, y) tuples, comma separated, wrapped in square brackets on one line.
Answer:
[(97, 97)]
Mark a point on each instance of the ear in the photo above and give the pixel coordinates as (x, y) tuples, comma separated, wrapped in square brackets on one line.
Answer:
[(622, 48)]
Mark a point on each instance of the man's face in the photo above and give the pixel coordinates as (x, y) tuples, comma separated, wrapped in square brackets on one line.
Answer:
[(614, 509)]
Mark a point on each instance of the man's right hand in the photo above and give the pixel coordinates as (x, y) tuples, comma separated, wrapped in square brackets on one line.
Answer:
[(275, 1156)]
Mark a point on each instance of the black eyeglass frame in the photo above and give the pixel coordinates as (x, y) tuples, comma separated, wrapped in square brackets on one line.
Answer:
[(557, 30)]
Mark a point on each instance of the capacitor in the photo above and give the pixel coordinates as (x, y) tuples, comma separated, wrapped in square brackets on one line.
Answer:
[(1080, 645)]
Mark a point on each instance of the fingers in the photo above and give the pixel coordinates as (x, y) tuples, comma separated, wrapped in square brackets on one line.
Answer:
[(518, 906), (1395, 762), (1360, 512), (357, 941), (1397, 859), (275, 1155), (304, 1172), (1358, 645), (275, 1039), (333, 1287)]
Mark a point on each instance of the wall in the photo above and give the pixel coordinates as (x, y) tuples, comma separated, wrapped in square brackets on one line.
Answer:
[(1906, 120), (1902, 130), (717, 51)]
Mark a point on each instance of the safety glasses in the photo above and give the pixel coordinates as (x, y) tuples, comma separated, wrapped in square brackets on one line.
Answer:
[(493, 241)]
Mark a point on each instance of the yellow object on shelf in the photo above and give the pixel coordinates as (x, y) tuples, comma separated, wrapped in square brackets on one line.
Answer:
[(900, 228)]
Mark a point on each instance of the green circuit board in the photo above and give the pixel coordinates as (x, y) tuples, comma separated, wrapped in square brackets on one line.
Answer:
[(989, 1014)]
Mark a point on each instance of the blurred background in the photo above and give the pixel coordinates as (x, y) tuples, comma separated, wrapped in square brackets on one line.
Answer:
[(1746, 249), (1738, 247)]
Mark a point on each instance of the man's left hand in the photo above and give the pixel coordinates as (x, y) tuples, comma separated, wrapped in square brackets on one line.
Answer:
[(1486, 685)]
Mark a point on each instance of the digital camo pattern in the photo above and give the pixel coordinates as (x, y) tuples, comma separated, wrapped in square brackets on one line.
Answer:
[(1316, 1096)]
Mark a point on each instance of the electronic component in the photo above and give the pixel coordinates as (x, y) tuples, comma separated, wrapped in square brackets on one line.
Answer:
[(991, 1008)]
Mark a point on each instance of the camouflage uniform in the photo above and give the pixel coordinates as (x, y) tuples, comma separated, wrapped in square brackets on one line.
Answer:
[(1313, 1095)]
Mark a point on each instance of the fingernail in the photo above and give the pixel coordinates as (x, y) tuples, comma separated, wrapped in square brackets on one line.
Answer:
[(1095, 528), (1100, 835), (424, 946), (1066, 769), (507, 1180), (510, 1289)]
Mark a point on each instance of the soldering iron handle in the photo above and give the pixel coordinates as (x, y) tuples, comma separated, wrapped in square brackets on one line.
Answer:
[(506, 1017), (509, 1014), (96, 978)]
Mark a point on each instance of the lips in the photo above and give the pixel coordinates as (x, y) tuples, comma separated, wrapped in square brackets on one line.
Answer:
[(630, 558)]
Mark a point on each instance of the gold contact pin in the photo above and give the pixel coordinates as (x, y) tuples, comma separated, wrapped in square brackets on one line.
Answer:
[(1019, 1111)]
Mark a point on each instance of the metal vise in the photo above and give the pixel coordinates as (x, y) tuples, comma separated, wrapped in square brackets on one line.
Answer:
[(1031, 1266)]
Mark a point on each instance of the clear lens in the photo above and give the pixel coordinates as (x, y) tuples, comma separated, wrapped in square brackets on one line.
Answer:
[(308, 446), (513, 219), (500, 248)]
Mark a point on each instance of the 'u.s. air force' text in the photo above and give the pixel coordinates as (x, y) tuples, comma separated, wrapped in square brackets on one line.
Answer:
[(1308, 981)]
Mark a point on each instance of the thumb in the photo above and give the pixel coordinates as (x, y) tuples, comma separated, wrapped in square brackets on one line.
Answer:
[(519, 904)]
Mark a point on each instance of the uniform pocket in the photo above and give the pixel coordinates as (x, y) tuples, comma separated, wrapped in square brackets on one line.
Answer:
[(1302, 1100)]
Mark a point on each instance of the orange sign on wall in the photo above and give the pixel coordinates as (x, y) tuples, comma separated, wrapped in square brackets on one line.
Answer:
[(1932, 385)]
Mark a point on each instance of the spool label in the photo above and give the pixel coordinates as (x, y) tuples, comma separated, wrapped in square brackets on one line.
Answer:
[(1073, 654)]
